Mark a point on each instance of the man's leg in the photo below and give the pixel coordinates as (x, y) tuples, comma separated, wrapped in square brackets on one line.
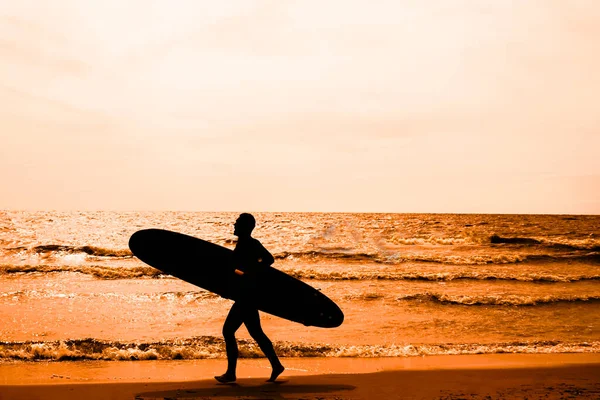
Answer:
[(252, 322), (232, 323)]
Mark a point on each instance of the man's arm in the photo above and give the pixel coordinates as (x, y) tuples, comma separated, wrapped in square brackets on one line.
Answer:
[(265, 258), (261, 258)]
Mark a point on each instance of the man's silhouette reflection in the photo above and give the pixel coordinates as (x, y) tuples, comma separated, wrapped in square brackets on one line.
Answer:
[(250, 257)]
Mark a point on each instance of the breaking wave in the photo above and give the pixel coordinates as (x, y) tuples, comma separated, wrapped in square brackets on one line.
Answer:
[(584, 250), (104, 272), (206, 347), (556, 243), (64, 249), (184, 297), (188, 297), (572, 244), (473, 259), (97, 271), (502, 300), (435, 277)]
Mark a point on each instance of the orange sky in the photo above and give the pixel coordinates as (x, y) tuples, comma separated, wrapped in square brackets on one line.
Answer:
[(398, 106)]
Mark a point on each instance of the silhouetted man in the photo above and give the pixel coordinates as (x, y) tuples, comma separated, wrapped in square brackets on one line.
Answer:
[(250, 257)]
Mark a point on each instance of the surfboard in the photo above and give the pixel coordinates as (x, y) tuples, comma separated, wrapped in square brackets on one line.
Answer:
[(210, 267)]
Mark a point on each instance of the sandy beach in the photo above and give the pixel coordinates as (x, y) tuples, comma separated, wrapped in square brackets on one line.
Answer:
[(499, 376)]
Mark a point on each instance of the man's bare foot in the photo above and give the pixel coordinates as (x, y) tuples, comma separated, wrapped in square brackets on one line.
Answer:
[(276, 372), (225, 378)]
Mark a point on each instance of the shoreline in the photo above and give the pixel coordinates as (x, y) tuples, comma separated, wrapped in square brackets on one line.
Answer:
[(448, 377)]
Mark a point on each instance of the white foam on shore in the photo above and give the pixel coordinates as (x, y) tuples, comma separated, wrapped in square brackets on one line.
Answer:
[(209, 347)]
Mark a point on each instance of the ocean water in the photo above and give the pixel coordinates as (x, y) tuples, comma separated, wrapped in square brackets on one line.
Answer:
[(409, 285)]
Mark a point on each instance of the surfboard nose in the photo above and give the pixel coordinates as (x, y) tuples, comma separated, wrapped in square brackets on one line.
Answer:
[(136, 241), (133, 242), (142, 241)]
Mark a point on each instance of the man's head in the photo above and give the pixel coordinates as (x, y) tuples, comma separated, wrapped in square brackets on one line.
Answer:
[(244, 225)]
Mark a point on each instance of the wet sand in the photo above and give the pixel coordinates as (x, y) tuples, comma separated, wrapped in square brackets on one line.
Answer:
[(499, 376)]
